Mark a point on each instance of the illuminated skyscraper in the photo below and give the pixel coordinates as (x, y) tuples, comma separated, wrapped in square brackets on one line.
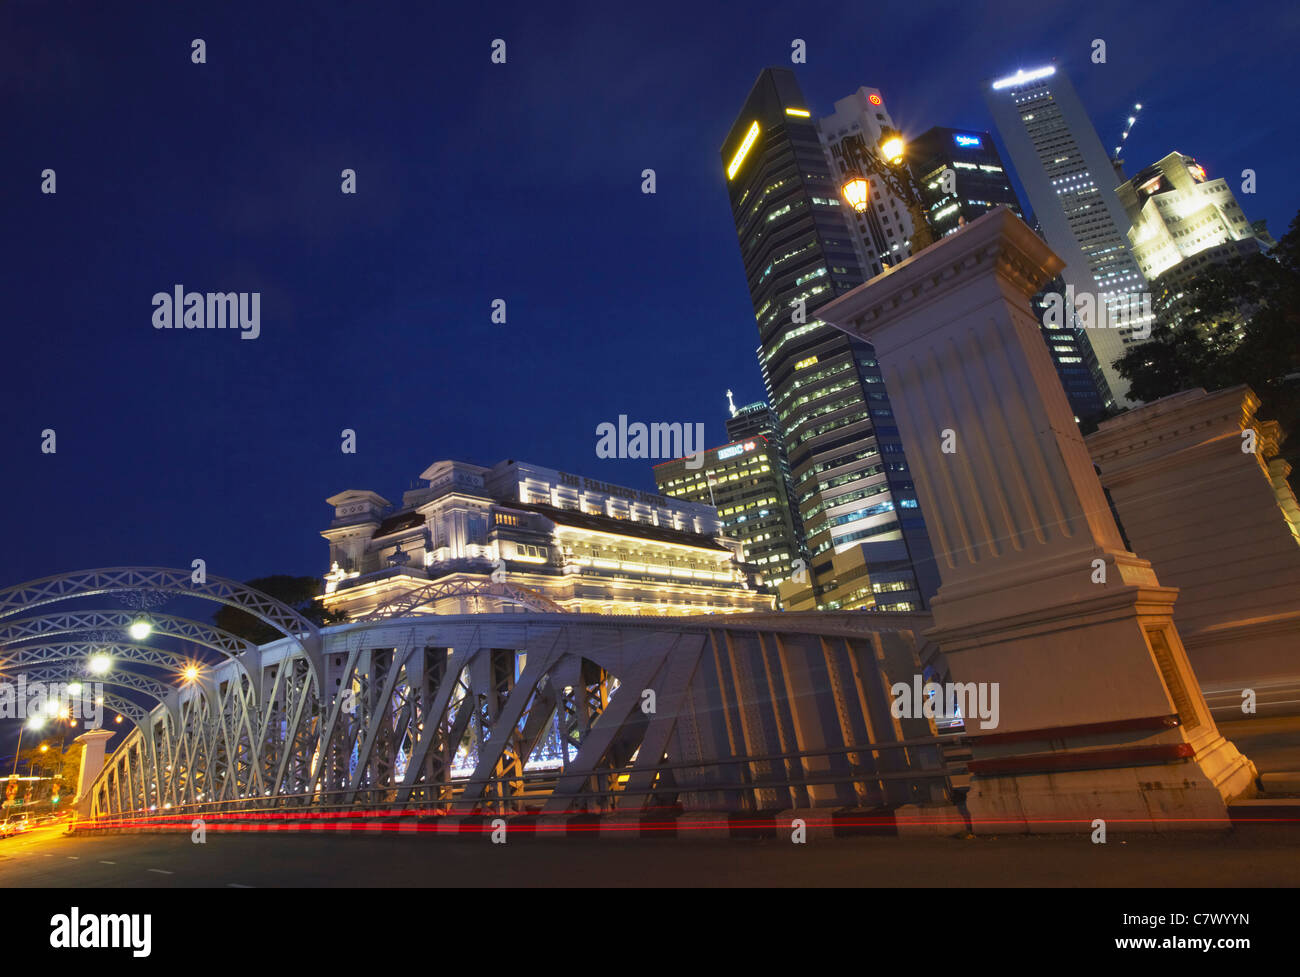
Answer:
[(744, 482), (960, 177), (1069, 180), (850, 479), (1183, 222), (883, 230), (978, 181)]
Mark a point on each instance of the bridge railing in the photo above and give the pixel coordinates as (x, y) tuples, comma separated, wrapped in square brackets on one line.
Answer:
[(528, 792)]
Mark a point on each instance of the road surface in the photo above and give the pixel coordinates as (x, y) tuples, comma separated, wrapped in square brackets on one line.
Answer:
[(1257, 856)]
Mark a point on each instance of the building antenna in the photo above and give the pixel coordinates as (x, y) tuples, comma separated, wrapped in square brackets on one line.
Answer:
[(1128, 127), (731, 403)]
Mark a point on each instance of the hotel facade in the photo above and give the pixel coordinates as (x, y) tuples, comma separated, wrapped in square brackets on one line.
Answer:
[(586, 545)]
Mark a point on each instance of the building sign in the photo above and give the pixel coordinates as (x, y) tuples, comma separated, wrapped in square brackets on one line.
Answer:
[(614, 491), (968, 142), (734, 449)]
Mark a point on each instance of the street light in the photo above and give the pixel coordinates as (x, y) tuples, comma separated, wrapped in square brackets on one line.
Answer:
[(855, 193), (887, 162), (140, 628), (35, 722), (99, 664)]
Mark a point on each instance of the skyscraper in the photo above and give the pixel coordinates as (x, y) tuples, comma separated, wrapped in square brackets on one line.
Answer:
[(744, 482), (850, 479), (1183, 222), (759, 419), (960, 177), (1069, 180), (978, 181), (883, 231)]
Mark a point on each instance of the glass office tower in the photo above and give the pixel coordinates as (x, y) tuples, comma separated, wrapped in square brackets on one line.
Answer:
[(865, 535)]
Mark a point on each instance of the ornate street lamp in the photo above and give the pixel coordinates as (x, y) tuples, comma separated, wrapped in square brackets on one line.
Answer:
[(887, 162)]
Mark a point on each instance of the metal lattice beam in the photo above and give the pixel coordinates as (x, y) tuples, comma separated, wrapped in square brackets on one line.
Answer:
[(80, 652), (68, 672), (505, 592), (166, 625), (109, 580)]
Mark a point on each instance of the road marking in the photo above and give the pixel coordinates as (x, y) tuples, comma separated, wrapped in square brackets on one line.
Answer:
[(160, 871), (74, 857), (102, 862), (236, 885)]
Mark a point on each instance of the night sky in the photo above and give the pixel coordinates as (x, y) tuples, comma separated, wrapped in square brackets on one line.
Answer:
[(476, 181)]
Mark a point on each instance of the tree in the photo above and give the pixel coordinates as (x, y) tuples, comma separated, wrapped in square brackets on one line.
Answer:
[(297, 592), (1243, 327), (32, 761)]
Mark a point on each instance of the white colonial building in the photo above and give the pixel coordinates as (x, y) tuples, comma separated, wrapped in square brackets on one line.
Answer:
[(586, 545)]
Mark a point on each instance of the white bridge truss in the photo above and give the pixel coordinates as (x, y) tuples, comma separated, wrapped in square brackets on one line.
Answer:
[(182, 717), (547, 713)]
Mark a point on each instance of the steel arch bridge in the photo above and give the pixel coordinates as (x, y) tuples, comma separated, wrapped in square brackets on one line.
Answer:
[(504, 592), (30, 648), (25, 597), (546, 712)]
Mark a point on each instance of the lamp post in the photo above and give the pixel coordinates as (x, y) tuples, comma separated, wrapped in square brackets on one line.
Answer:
[(887, 162), (36, 722)]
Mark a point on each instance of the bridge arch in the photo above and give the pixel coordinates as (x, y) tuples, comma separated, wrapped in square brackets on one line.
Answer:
[(18, 600), (507, 593)]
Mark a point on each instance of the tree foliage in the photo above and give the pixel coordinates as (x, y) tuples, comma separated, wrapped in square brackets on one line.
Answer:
[(1243, 327), (297, 592)]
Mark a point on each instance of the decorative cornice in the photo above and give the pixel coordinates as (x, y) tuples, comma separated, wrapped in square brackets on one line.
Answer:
[(1176, 421), (1000, 238)]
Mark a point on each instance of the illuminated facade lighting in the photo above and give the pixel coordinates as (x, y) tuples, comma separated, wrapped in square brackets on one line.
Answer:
[(1182, 222), (743, 151), (587, 545), (1023, 77)]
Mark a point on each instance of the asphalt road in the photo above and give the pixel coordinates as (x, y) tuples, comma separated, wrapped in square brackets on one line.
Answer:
[(1271, 742), (1255, 856)]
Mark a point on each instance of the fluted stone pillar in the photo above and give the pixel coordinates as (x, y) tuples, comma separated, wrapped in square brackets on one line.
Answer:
[(1100, 714), (92, 743), (1219, 522)]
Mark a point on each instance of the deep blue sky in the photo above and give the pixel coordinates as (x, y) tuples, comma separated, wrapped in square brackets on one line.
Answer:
[(477, 181)]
